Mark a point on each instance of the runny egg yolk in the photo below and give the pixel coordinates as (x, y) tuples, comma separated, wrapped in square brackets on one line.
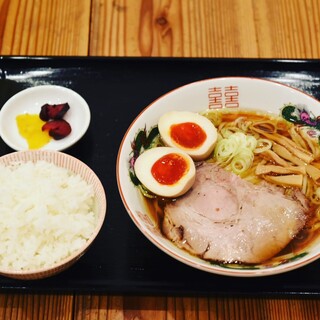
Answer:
[(188, 134), (188, 131), (30, 128), (165, 171), (169, 169)]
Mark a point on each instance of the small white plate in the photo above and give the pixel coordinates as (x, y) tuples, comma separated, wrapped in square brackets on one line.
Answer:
[(30, 101)]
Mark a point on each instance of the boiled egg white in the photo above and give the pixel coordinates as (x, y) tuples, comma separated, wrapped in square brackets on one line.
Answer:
[(165, 171), (191, 132)]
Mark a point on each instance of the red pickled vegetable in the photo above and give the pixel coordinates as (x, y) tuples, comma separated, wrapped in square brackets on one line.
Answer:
[(58, 129), (53, 111)]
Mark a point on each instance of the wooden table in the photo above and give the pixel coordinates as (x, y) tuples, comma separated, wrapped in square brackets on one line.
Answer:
[(167, 28)]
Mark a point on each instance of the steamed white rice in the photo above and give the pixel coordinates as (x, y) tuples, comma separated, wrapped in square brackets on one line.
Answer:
[(46, 213)]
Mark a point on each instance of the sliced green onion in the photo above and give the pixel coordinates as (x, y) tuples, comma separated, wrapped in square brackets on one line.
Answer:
[(236, 152), (242, 161), (251, 142), (225, 150)]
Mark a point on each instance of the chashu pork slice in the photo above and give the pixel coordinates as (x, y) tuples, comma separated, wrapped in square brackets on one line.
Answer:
[(225, 218)]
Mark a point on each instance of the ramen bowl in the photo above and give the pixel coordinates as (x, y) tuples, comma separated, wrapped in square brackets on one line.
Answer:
[(234, 93), (44, 229)]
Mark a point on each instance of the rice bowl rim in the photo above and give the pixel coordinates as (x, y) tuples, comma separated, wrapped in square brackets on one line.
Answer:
[(71, 163)]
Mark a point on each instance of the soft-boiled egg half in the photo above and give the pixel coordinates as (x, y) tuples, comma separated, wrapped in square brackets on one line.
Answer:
[(188, 131), (165, 171)]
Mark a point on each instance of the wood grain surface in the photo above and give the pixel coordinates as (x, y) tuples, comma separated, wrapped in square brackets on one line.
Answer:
[(168, 28), (189, 28)]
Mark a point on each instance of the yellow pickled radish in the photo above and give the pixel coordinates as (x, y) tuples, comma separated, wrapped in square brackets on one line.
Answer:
[(30, 128)]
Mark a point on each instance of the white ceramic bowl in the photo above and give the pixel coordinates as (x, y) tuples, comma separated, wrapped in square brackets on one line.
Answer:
[(75, 166), (30, 101), (231, 92)]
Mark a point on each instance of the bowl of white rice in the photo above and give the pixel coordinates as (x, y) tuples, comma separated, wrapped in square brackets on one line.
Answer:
[(52, 207)]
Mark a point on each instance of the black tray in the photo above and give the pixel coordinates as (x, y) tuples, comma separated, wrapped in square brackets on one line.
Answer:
[(122, 260)]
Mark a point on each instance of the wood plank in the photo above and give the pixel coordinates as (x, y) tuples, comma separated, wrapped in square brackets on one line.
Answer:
[(98, 307), (89, 307), (287, 28), (36, 306), (44, 27), (205, 28), (172, 28)]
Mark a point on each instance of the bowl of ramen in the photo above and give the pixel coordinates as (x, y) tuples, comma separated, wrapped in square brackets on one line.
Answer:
[(223, 175)]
